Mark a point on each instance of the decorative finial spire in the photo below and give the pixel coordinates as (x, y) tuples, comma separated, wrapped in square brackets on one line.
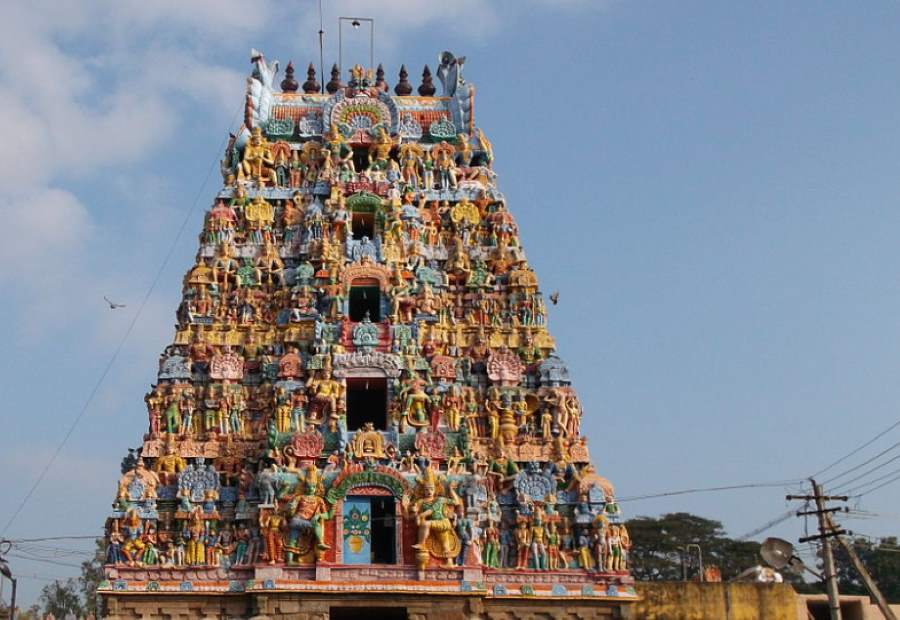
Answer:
[(289, 84), (403, 87), (335, 82), (380, 84), (426, 88), (310, 85)]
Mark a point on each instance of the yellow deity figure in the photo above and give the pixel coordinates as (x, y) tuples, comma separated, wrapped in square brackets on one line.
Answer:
[(617, 542), (433, 512), (452, 403), (382, 144), (134, 545), (402, 303), (367, 443), (493, 422), (502, 419), (282, 410), (258, 161), (427, 302), (546, 424), (334, 139), (411, 155), (573, 416), (269, 266), (196, 543), (471, 413), (417, 404), (486, 147), (463, 149), (260, 216), (325, 393), (169, 465)]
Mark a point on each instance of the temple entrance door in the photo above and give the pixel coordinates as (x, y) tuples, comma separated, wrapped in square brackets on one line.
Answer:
[(370, 530)]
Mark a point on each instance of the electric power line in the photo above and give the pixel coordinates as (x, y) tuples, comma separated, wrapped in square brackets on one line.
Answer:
[(121, 344), (857, 450), (750, 485), (22, 557), (884, 484), (876, 515), (864, 463), (893, 472), (46, 538)]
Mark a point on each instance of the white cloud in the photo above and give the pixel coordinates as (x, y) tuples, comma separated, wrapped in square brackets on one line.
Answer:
[(88, 88), (42, 226)]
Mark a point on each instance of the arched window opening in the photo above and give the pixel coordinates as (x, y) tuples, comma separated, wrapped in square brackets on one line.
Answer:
[(365, 296), (367, 402)]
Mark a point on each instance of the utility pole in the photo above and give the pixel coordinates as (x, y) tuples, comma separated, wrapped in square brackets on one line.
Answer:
[(826, 533), (870, 584), (5, 546)]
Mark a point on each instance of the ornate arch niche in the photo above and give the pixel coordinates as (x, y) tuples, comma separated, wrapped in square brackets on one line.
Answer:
[(365, 214), (363, 270), (367, 375), (359, 117), (364, 279), (374, 484)]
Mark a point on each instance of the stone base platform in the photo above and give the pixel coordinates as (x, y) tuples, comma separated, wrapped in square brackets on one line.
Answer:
[(349, 606), (341, 592)]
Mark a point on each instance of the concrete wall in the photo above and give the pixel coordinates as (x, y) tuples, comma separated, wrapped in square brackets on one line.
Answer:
[(675, 600), (852, 607)]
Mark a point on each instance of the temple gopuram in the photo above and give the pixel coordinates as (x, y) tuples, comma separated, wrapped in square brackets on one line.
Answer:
[(361, 414)]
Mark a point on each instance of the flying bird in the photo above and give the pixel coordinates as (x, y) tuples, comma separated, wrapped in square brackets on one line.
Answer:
[(554, 297), (112, 305)]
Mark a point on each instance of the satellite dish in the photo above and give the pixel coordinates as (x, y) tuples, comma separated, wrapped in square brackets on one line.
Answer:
[(777, 553)]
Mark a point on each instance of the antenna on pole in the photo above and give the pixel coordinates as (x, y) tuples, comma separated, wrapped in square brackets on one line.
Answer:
[(321, 48), (356, 22)]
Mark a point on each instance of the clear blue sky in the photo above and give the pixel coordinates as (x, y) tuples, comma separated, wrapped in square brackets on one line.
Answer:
[(711, 186)]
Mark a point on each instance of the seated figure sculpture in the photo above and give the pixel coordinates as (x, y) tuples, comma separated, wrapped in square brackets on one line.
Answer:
[(258, 162), (325, 394)]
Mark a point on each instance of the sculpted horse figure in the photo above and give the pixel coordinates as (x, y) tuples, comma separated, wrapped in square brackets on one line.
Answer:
[(449, 72), (260, 95)]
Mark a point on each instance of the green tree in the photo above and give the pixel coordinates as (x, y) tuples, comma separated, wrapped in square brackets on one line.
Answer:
[(62, 597), (659, 547), (881, 559), (91, 576)]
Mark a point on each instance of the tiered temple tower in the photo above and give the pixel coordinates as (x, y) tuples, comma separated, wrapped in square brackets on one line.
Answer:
[(362, 406)]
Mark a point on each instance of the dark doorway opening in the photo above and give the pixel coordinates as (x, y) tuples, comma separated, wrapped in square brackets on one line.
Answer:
[(361, 158), (367, 613), (365, 299), (363, 225), (366, 402), (383, 531)]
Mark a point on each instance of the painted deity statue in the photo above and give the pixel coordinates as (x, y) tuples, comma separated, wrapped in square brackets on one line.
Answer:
[(308, 512), (433, 514), (258, 163), (325, 394)]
